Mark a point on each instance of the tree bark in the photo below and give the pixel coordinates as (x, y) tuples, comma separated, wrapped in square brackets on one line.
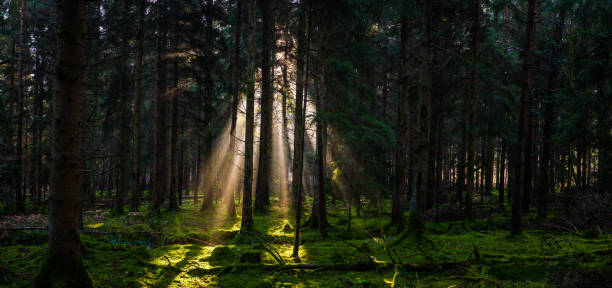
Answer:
[(19, 191), (231, 206), (545, 186), (397, 204), (247, 196), (501, 173), (173, 203), (136, 188), (522, 157), (161, 163), (264, 181), (321, 143), (209, 174), (124, 142), (472, 111), (298, 132), (63, 265)]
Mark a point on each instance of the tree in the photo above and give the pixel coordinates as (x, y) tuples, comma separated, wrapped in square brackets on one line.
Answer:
[(247, 209), (231, 206), (319, 215), (19, 189), (522, 156), (209, 89), (544, 185), (397, 215), (298, 132), (471, 107), (264, 179), (135, 199), (63, 265), (124, 117), (161, 164), (173, 204)]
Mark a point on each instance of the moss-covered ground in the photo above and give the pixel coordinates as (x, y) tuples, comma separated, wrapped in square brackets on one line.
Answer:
[(193, 249)]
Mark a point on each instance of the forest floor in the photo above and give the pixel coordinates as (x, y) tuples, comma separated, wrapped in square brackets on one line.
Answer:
[(188, 248)]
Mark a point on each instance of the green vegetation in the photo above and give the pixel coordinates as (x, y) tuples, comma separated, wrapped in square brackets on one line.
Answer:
[(184, 249)]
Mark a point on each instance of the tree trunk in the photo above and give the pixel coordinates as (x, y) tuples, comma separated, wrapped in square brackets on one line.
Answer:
[(522, 157), (247, 196), (489, 162), (231, 207), (501, 173), (173, 205), (38, 131), (264, 181), (161, 163), (124, 142), (286, 93), (19, 191), (471, 111), (529, 161), (546, 186), (208, 200), (136, 188), (397, 201), (321, 144), (298, 132), (197, 171), (63, 265)]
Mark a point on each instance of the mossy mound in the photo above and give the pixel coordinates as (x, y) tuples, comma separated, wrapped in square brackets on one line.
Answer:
[(224, 235), (222, 253), (62, 271), (251, 257), (287, 228)]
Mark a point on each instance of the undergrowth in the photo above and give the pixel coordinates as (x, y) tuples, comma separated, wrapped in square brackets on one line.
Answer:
[(187, 249)]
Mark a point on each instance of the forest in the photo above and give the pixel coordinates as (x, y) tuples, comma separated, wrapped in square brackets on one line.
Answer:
[(305, 143)]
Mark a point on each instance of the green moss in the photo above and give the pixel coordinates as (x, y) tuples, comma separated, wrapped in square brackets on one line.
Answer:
[(251, 257), (186, 249), (62, 271), (222, 253)]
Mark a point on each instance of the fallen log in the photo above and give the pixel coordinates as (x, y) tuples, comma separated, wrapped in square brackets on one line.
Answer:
[(357, 266)]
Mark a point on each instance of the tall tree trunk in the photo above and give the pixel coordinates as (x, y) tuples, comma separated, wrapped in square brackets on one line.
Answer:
[(529, 161), (173, 205), (38, 130), (136, 188), (428, 125), (180, 174), (19, 191), (286, 93), (197, 171), (489, 158), (397, 204), (546, 166), (471, 111), (124, 142), (321, 143), (423, 116), (522, 157), (231, 207), (501, 173), (63, 265), (209, 188), (298, 131), (161, 163), (461, 156), (247, 196), (264, 181)]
